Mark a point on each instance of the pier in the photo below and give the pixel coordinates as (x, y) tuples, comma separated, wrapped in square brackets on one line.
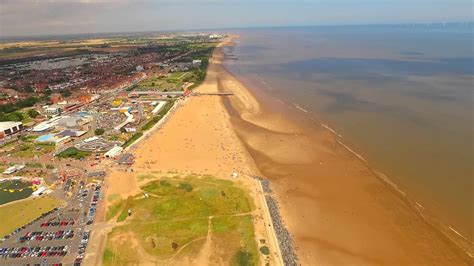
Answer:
[(212, 93)]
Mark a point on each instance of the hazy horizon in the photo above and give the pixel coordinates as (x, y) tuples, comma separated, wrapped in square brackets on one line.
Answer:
[(56, 17)]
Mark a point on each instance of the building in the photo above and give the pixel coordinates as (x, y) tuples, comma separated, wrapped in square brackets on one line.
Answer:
[(55, 98), (46, 125), (71, 133), (13, 169), (52, 110), (84, 98), (126, 159), (96, 174), (114, 152), (9, 127), (197, 62)]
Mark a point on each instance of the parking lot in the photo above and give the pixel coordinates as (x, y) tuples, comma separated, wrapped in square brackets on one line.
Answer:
[(58, 237)]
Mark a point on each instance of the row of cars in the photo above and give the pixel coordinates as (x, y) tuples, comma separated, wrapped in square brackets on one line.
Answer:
[(54, 222), (93, 207), (86, 234), (43, 236), (18, 230), (31, 252)]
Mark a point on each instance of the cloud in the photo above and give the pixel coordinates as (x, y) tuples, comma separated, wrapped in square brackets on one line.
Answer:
[(37, 17)]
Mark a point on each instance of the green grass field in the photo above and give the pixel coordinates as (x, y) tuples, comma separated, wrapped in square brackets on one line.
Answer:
[(173, 222), (161, 83), (17, 214), (74, 153), (26, 149)]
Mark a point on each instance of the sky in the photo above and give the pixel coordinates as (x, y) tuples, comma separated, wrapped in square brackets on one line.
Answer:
[(44, 17)]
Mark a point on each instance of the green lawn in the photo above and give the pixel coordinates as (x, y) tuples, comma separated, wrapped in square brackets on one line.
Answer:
[(27, 149), (17, 214), (176, 214), (74, 153)]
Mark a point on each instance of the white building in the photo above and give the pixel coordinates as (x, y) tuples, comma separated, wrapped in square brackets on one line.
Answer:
[(197, 62), (114, 152), (10, 127), (52, 110), (13, 169), (46, 125)]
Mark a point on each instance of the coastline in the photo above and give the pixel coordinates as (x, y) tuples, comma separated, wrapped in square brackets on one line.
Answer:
[(196, 139), (388, 214)]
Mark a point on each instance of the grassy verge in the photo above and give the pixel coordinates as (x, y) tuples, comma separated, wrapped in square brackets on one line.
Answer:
[(148, 125), (17, 214), (158, 117), (132, 139), (173, 221)]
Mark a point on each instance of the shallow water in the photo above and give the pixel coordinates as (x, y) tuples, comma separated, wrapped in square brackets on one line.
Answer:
[(401, 97)]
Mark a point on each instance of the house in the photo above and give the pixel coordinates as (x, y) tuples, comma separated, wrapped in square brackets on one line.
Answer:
[(9, 127), (197, 62), (55, 98), (52, 110)]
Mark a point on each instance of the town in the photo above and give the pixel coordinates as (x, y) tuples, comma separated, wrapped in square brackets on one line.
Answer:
[(68, 110)]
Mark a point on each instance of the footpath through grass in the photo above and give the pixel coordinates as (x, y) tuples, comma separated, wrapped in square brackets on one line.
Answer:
[(173, 221), (17, 214)]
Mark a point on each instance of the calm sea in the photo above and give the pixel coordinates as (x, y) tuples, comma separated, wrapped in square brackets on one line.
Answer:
[(402, 97)]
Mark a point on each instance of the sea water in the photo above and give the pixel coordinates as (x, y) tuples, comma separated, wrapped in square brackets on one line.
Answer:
[(401, 96)]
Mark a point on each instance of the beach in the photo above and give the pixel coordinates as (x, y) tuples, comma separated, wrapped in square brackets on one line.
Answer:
[(336, 208), (195, 138)]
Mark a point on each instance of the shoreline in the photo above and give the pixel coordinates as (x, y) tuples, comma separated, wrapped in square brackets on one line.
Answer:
[(196, 138), (414, 210), (445, 230)]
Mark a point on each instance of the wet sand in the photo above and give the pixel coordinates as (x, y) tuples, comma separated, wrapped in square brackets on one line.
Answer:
[(338, 210)]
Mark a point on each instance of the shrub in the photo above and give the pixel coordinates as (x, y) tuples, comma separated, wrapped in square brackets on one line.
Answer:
[(265, 250), (33, 113), (243, 258), (185, 186), (72, 152), (99, 131)]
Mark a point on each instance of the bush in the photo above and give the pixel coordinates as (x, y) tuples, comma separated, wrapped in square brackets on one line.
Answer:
[(65, 93), (24, 147), (265, 250), (72, 152), (33, 113), (99, 131), (243, 258), (185, 186), (15, 116)]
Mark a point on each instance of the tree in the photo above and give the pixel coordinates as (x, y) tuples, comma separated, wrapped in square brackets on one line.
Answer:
[(66, 93), (29, 89), (99, 131), (33, 113)]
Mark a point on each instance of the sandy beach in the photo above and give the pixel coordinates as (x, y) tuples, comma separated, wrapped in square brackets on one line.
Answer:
[(197, 138), (336, 208)]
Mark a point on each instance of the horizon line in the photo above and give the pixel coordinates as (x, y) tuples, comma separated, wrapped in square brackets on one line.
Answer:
[(469, 23)]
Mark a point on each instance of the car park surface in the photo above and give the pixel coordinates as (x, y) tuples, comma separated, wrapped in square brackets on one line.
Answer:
[(57, 237)]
